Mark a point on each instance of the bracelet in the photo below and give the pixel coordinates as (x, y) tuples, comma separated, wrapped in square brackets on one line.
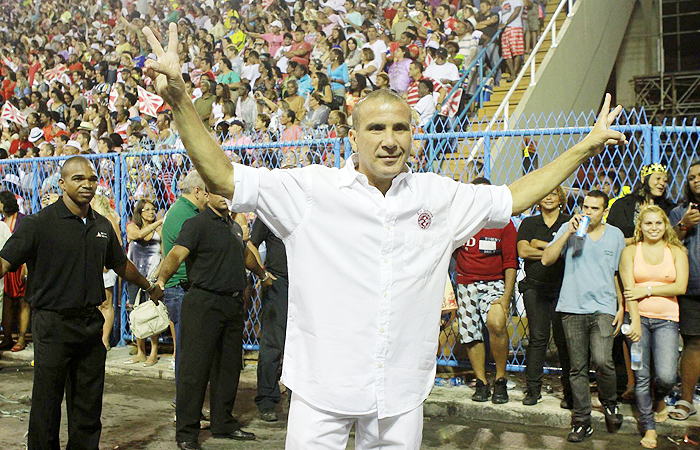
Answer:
[(682, 227), (267, 277), (648, 291), (151, 286)]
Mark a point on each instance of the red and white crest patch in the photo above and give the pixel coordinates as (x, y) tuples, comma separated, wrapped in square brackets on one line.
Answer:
[(425, 218)]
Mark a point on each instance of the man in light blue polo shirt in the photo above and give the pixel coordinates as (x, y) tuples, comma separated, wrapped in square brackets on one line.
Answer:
[(591, 304)]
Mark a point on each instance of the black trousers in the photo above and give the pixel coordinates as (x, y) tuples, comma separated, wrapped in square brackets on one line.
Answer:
[(274, 329), (540, 304), (68, 357), (212, 351)]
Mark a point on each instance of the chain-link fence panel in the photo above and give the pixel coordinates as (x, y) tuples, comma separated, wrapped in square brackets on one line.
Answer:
[(461, 150)]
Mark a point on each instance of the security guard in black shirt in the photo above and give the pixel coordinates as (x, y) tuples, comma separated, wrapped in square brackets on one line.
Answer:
[(65, 246), (212, 319)]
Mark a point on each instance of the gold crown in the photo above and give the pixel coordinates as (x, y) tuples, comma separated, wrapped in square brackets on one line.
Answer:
[(652, 168)]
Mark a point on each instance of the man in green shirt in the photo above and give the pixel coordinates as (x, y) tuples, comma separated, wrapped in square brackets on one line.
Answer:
[(194, 198), (204, 103)]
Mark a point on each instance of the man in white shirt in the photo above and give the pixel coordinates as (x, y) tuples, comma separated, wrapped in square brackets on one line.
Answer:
[(445, 72), (426, 105), (378, 46), (361, 343), (512, 44)]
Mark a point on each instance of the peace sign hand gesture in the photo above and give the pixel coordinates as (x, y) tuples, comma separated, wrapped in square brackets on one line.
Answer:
[(165, 71), (601, 134)]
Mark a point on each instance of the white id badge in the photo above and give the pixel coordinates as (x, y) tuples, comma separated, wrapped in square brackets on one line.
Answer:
[(487, 246)]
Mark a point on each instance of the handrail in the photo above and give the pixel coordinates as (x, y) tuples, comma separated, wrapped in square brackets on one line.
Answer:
[(504, 107), (458, 85)]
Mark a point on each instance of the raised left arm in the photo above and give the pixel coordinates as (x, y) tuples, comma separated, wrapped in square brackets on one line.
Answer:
[(534, 186)]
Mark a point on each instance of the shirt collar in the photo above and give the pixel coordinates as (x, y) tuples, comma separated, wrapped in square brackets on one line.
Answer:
[(350, 174), (189, 203), (213, 215), (64, 212)]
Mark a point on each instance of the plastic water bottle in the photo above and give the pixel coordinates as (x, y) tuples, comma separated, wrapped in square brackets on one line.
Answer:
[(635, 350)]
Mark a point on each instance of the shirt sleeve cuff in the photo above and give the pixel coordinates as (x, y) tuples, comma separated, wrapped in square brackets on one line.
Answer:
[(501, 207), (246, 186)]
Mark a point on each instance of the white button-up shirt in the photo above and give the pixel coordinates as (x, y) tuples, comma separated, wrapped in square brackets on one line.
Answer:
[(366, 276)]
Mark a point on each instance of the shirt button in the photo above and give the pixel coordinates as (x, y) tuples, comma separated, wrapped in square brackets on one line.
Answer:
[(388, 227), (385, 295), (380, 365), (386, 261), (381, 330)]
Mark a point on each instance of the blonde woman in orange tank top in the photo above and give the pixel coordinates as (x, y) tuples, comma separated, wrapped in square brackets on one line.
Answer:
[(654, 270)]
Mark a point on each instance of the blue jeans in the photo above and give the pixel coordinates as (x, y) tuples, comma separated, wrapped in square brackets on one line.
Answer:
[(660, 339), (172, 297), (589, 337)]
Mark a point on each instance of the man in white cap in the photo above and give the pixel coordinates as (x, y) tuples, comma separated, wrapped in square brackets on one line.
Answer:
[(71, 148), (36, 136), (273, 37)]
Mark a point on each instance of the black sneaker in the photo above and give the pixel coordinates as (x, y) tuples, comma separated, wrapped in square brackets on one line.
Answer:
[(500, 391), (482, 392), (613, 418), (268, 415), (579, 432), (532, 397)]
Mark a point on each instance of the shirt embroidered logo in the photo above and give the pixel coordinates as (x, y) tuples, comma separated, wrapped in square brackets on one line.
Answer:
[(425, 218), (101, 234)]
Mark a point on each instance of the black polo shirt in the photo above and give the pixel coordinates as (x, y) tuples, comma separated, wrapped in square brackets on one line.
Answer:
[(64, 256), (276, 259), (534, 228), (216, 262)]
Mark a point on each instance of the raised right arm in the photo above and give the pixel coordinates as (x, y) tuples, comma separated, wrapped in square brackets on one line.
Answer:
[(206, 154)]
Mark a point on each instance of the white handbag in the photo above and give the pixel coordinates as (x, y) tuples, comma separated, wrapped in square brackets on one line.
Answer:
[(147, 318)]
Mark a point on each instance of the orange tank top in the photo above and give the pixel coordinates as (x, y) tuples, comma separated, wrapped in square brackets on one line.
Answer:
[(656, 307)]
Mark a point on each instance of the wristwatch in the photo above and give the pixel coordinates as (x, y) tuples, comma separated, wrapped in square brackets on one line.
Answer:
[(266, 277)]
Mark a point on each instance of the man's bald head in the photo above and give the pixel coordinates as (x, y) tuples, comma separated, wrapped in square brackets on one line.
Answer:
[(73, 164), (380, 95)]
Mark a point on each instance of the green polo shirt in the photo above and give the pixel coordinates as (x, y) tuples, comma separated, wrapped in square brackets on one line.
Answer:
[(181, 210)]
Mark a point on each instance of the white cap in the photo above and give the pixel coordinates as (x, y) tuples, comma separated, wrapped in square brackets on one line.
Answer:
[(35, 134), (110, 43), (472, 21), (432, 44), (276, 23), (73, 144), (61, 125)]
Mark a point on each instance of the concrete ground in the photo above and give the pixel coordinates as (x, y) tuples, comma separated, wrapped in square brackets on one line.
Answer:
[(138, 414)]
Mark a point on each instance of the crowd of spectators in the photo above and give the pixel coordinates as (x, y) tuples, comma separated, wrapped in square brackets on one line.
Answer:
[(72, 74)]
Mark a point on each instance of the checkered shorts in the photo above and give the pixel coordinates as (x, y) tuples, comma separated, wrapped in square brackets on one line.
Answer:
[(512, 43), (473, 304)]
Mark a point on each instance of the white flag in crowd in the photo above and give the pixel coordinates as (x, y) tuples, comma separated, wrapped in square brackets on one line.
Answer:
[(11, 113), (149, 102)]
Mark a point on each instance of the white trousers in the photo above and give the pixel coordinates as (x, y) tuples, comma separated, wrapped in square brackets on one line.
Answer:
[(309, 428)]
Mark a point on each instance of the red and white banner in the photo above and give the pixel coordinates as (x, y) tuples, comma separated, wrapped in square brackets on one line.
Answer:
[(113, 95), (149, 102), (55, 73), (11, 113)]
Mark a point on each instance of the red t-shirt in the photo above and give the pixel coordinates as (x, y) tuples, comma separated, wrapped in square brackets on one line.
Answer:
[(303, 59), (486, 256)]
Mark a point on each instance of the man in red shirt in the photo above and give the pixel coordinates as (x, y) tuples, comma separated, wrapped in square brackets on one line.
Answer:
[(301, 50), (486, 269)]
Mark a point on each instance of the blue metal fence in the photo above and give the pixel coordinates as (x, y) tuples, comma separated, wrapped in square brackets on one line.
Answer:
[(501, 155)]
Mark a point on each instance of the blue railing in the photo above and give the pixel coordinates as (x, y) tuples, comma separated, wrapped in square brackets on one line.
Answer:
[(500, 155)]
